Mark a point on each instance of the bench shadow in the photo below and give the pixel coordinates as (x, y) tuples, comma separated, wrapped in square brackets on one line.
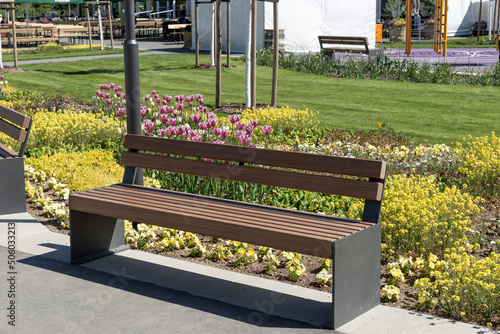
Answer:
[(241, 302)]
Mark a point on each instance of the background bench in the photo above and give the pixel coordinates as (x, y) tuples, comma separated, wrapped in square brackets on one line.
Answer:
[(346, 44), (96, 215), (12, 195)]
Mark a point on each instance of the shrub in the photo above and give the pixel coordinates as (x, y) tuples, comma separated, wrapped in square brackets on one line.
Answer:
[(82, 170), (282, 119), (71, 127), (480, 160), (420, 218)]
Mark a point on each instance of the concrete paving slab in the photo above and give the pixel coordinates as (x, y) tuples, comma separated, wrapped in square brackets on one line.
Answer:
[(137, 291), (258, 294), (57, 297)]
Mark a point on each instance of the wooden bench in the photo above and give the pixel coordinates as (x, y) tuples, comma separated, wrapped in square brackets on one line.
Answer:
[(12, 195), (27, 36), (331, 44), (96, 216), (175, 31)]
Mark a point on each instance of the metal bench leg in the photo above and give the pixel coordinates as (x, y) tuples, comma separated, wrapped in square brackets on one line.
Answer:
[(12, 193), (94, 236), (356, 274)]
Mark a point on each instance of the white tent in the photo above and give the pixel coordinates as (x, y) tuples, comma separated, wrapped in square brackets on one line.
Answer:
[(301, 21), (462, 14)]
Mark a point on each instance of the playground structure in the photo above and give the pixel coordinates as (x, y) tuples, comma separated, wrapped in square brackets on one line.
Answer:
[(414, 25)]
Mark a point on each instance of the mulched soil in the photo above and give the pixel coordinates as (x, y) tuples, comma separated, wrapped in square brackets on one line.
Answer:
[(10, 70), (237, 108), (206, 66)]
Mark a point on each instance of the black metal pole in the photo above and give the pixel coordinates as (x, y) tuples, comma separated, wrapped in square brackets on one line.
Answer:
[(132, 83)]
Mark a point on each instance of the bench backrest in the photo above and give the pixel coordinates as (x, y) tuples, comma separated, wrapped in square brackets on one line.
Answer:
[(16, 126), (326, 174), (339, 43)]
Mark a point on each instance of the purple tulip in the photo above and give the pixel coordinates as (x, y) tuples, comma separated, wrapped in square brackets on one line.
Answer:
[(112, 85), (253, 122), (219, 142), (167, 98), (201, 101), (212, 122), (203, 125), (162, 132), (171, 131), (120, 112), (211, 115), (119, 88), (195, 118), (249, 129), (108, 101), (195, 136), (97, 92), (244, 139), (234, 118), (172, 121), (143, 111), (217, 131), (149, 125), (158, 101), (147, 97), (266, 129), (153, 92), (164, 118), (107, 96), (162, 109), (118, 94), (179, 106), (223, 133), (240, 125)]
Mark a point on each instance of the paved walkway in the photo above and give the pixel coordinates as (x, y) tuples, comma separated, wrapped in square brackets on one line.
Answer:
[(466, 60), (135, 291)]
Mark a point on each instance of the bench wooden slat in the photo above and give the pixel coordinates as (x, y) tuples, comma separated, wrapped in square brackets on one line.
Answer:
[(6, 152), (12, 131), (242, 212), (321, 163), (278, 178), (330, 44), (15, 117), (99, 201)]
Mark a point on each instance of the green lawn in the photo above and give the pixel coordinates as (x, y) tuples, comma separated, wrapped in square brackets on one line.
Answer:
[(35, 55), (439, 113)]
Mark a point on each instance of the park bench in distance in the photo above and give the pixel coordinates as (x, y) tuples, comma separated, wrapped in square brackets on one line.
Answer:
[(96, 215), (331, 44), (12, 195)]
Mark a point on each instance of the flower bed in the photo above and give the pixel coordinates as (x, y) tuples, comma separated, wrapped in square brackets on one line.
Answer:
[(440, 218)]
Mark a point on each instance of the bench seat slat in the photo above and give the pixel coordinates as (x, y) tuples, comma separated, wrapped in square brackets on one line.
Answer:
[(205, 218), (314, 224), (318, 183), (320, 163), (346, 50), (260, 217)]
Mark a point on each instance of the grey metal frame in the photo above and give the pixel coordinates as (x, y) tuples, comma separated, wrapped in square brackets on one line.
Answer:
[(12, 193), (12, 189), (356, 275), (93, 236)]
